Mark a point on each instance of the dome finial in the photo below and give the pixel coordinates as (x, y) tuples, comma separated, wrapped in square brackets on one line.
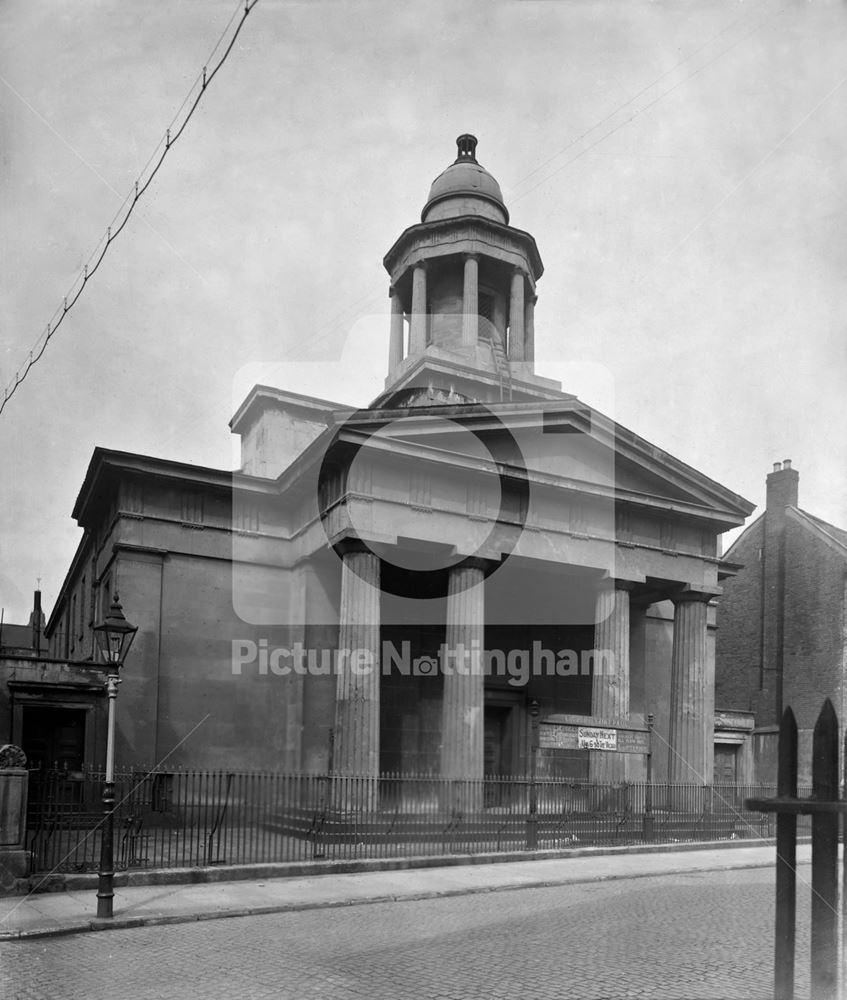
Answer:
[(467, 148)]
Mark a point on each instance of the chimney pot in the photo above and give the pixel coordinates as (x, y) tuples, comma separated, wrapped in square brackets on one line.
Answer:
[(777, 466), (786, 463)]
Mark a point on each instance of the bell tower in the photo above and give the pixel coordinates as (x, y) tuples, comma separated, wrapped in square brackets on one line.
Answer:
[(462, 289)]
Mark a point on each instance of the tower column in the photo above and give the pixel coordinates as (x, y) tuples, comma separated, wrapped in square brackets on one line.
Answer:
[(610, 684), (470, 301), (463, 706), (395, 345), (529, 328), (516, 317), (356, 750), (691, 751), (417, 330)]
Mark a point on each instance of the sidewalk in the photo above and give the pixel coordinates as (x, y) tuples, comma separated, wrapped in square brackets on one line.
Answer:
[(48, 914)]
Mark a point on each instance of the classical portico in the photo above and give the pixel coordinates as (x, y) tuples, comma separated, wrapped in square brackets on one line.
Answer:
[(496, 544)]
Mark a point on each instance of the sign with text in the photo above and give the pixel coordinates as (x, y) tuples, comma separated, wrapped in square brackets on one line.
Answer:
[(565, 736), (589, 738)]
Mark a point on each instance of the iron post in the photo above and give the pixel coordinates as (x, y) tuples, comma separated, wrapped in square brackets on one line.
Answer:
[(114, 636), (648, 791), (532, 818), (106, 873)]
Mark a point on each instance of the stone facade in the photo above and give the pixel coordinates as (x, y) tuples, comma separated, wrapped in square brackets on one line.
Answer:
[(392, 589)]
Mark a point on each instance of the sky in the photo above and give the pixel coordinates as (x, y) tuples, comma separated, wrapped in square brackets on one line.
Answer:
[(680, 165)]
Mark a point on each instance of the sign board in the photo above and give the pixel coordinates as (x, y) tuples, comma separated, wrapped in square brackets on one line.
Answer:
[(565, 736), (592, 738)]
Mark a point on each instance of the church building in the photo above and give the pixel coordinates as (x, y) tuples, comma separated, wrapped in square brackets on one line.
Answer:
[(422, 585)]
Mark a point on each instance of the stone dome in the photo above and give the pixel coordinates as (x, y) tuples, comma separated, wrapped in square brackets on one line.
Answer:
[(465, 188)]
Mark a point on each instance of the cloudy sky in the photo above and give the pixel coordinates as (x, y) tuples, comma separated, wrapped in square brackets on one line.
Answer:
[(680, 164)]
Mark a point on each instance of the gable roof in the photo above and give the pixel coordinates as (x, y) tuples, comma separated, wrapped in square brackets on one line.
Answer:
[(744, 535), (835, 538)]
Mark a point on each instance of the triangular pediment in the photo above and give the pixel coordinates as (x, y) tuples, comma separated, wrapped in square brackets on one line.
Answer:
[(558, 442)]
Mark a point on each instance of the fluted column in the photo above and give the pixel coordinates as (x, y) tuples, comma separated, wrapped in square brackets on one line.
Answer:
[(417, 330), (610, 685), (463, 707), (690, 732), (356, 750), (470, 301), (516, 318), (529, 328), (395, 345)]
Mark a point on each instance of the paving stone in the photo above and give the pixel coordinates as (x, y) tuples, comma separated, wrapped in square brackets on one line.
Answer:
[(697, 936)]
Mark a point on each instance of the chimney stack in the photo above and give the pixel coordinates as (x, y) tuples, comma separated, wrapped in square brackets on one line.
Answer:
[(782, 487), (37, 621), (781, 492)]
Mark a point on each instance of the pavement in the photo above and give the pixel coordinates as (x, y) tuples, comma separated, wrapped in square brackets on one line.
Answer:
[(58, 913)]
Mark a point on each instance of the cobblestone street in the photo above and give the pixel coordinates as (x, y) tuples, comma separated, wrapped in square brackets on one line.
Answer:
[(704, 935)]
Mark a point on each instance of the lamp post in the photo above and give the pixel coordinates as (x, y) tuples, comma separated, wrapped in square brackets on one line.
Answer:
[(648, 792), (114, 636), (532, 820)]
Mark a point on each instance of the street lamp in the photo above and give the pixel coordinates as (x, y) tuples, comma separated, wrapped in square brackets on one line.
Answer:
[(532, 819), (114, 636)]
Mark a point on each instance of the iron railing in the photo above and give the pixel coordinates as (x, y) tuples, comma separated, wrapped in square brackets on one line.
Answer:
[(189, 818)]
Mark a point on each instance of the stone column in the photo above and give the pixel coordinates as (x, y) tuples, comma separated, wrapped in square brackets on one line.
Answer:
[(516, 318), (470, 301), (691, 728), (529, 329), (610, 685), (417, 330), (395, 346), (463, 707), (356, 750)]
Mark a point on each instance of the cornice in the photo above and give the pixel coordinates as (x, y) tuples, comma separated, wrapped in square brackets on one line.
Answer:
[(467, 227)]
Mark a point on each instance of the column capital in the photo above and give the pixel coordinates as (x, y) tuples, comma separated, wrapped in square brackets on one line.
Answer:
[(422, 264), (470, 255), (690, 594), (607, 581), (472, 562), (351, 544)]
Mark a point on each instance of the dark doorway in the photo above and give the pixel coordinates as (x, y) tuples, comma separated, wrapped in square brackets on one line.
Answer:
[(53, 738), (497, 763), (498, 751), (726, 764), (410, 703)]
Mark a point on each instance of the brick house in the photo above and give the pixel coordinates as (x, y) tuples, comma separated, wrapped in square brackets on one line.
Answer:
[(782, 626)]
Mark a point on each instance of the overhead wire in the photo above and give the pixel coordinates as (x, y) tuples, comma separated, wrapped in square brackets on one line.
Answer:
[(638, 112), (114, 229), (680, 62), (346, 314)]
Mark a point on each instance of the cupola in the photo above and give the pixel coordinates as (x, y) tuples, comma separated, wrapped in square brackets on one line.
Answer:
[(463, 295)]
